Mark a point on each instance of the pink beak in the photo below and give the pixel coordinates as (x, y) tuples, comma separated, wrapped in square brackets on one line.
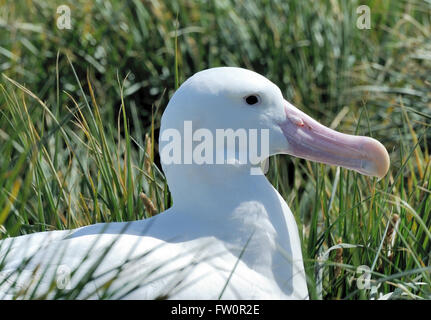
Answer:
[(313, 141)]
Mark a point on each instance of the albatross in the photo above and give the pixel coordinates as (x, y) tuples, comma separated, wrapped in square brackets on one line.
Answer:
[(229, 233)]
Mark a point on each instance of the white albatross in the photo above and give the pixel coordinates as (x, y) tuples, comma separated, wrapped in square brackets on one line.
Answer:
[(229, 234)]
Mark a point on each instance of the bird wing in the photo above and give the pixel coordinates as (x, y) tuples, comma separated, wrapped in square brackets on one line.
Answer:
[(87, 264)]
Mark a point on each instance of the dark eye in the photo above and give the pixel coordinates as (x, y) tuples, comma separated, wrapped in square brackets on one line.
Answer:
[(252, 99)]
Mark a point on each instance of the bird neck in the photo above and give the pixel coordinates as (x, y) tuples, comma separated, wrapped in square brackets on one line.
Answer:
[(204, 189), (244, 210)]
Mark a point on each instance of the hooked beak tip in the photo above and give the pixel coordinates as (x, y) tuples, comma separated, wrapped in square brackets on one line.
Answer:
[(379, 157)]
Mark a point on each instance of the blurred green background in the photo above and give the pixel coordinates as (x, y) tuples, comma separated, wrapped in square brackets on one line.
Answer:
[(312, 49), (68, 158)]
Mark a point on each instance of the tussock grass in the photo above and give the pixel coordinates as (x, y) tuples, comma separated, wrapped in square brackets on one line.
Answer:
[(80, 111)]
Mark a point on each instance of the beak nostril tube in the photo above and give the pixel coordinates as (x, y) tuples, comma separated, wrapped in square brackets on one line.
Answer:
[(296, 120)]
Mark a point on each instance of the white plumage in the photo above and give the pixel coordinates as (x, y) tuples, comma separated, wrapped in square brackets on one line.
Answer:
[(228, 235)]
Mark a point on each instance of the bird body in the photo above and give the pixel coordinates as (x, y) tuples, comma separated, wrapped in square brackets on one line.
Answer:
[(190, 254), (229, 233)]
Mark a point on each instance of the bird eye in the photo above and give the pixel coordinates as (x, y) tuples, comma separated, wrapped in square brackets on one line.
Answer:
[(252, 99)]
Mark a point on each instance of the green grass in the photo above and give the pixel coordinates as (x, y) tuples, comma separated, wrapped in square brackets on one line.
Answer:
[(76, 106)]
